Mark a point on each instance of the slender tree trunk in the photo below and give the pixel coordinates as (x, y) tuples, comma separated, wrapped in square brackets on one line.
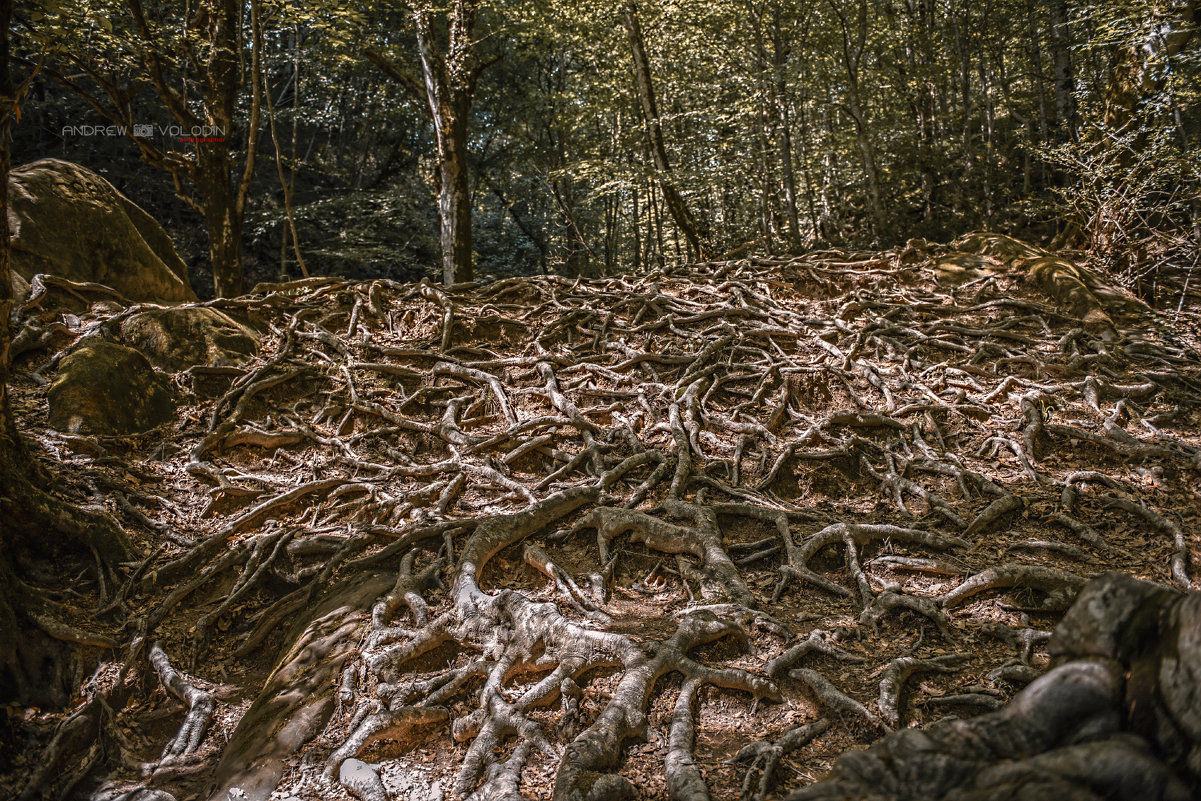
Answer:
[(636, 229), (768, 188), (830, 196), (219, 193), (775, 85), (610, 235), (807, 171), (789, 178), (780, 101), (1036, 58), (450, 80), (655, 228), (286, 185), (676, 206), (1064, 80), (853, 46)]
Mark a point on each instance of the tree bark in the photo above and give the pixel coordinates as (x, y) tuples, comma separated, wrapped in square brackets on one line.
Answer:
[(450, 85), (852, 55), (223, 224), (1138, 71), (222, 199), (1064, 77), (676, 205), (777, 64)]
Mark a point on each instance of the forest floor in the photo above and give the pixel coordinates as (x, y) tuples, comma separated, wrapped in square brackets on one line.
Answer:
[(468, 536)]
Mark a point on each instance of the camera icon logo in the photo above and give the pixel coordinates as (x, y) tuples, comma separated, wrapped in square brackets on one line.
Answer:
[(143, 130)]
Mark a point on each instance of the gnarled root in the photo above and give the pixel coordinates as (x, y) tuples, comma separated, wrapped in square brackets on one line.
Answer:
[(764, 757), (892, 686), (583, 771), (835, 699), (1060, 586), (199, 702), (361, 781), (1117, 720), (818, 641), (297, 699)]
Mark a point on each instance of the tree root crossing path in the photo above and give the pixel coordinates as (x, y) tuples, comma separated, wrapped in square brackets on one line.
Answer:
[(688, 535)]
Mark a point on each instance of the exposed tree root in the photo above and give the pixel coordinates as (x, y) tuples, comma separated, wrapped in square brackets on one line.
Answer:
[(764, 757), (297, 700), (199, 706), (495, 525), (833, 698), (1095, 727), (1060, 586), (892, 686)]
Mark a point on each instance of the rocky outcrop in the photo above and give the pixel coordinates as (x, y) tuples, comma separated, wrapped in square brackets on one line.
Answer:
[(1118, 717), (104, 388), (70, 222), (175, 339)]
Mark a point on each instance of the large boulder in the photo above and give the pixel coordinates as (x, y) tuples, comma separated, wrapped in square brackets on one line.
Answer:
[(105, 388), (70, 222), (177, 338)]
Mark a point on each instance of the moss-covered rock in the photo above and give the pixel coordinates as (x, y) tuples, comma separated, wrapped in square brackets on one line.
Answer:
[(178, 338), (70, 222), (105, 388)]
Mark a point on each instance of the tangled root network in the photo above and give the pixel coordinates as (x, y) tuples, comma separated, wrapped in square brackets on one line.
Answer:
[(682, 535)]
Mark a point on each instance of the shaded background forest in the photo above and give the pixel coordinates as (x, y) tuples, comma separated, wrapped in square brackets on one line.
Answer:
[(788, 126)]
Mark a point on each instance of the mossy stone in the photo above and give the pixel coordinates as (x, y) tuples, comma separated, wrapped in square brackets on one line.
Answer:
[(70, 222), (109, 389), (178, 338)]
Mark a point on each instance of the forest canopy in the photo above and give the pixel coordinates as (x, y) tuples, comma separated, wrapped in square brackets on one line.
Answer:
[(778, 126)]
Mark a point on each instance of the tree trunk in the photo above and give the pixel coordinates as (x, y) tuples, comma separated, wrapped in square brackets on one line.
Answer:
[(852, 54), (1064, 80), (454, 202), (450, 80), (223, 223), (1138, 72), (636, 228), (218, 192), (779, 63), (807, 170), (676, 205)]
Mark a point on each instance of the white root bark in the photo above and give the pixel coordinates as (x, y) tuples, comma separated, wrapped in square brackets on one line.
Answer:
[(200, 705)]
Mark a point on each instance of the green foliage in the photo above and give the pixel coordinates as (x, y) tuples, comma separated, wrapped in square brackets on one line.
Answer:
[(964, 108)]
